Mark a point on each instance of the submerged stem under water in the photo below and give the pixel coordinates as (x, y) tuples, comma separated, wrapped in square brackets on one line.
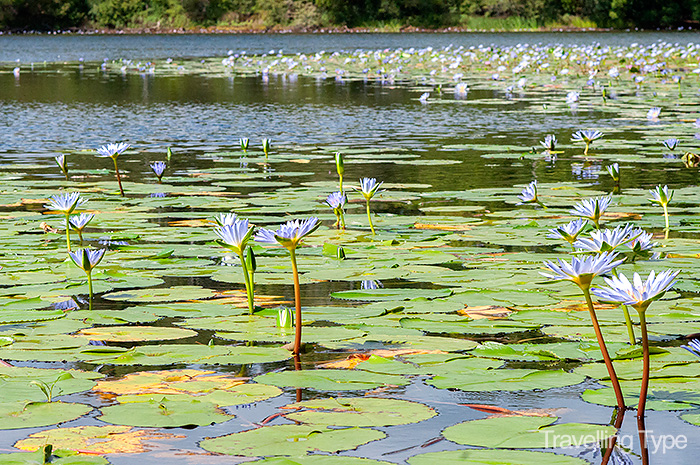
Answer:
[(248, 284)]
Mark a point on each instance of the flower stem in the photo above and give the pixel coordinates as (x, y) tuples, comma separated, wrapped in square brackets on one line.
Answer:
[(68, 231), (604, 350), (89, 278), (369, 217), (645, 376), (628, 320), (665, 206), (248, 286), (119, 178), (297, 304), (341, 182)]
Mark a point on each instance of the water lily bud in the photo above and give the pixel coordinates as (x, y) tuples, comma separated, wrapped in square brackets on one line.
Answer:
[(285, 317), (340, 253), (250, 260)]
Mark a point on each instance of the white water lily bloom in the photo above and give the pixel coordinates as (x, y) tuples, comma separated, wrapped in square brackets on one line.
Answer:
[(587, 136), (572, 97), (529, 194), (549, 142), (158, 168), (638, 294), (592, 209), (79, 222), (671, 143), (661, 195), (614, 171), (290, 234), (424, 97), (87, 259), (568, 232), (65, 203), (235, 235), (582, 270), (607, 240), (693, 347), (113, 150), (369, 187), (653, 113)]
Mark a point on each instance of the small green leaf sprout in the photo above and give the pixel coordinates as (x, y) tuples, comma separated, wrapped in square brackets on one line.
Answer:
[(48, 388)]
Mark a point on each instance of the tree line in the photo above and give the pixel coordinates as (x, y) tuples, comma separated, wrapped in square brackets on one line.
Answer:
[(304, 14)]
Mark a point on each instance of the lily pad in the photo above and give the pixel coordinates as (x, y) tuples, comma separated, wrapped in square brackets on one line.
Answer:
[(493, 457), (331, 380), (361, 411), (164, 413), (32, 414)]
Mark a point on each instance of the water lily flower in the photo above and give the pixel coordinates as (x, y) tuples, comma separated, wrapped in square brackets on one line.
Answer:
[(226, 219), (529, 195), (614, 73), (614, 171), (369, 188), (87, 260), (244, 141), (285, 317), (158, 168), (572, 97), (234, 234), (607, 240), (549, 142), (639, 295), (266, 146), (424, 97), (662, 196), (336, 201), (66, 204), (290, 235), (592, 209), (61, 162), (693, 347), (587, 137), (340, 168), (461, 89), (653, 113), (113, 151), (568, 232), (79, 222), (671, 143), (581, 272)]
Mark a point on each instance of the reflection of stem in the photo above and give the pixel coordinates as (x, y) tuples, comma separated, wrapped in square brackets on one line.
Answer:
[(604, 350), (369, 217), (297, 304), (645, 377), (297, 367), (619, 416), (643, 440), (119, 178), (248, 286), (89, 276), (68, 231)]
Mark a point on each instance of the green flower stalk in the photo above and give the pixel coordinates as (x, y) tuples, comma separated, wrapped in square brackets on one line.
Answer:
[(368, 189), (639, 295), (234, 234), (340, 168), (266, 147), (66, 204), (289, 236), (662, 196), (581, 272), (87, 260), (113, 151), (251, 266)]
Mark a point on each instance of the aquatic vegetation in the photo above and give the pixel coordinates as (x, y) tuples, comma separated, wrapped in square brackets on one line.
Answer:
[(568, 232), (529, 195), (79, 222), (340, 169), (587, 137), (662, 196), (244, 142), (113, 151), (336, 201), (639, 295), (614, 171), (581, 272), (693, 347), (592, 209), (285, 317), (654, 113), (549, 142), (368, 189), (234, 234), (266, 147), (61, 162), (608, 240), (290, 235), (47, 388), (66, 204), (671, 143), (87, 260), (158, 168)]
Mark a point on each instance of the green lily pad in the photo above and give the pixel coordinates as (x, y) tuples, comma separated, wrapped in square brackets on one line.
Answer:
[(360, 411), (331, 380), (58, 457), (32, 414), (290, 440), (373, 295), (135, 333), (164, 413), (493, 457)]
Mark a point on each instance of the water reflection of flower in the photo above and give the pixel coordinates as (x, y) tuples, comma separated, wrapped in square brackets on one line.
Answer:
[(371, 284), (581, 171)]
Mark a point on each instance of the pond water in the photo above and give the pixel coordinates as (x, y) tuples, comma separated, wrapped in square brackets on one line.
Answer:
[(464, 323)]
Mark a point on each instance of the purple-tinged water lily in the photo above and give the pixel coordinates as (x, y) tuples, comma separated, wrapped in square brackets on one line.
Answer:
[(568, 232), (592, 209), (549, 142), (113, 151), (529, 195), (572, 97), (581, 272), (369, 188), (79, 222), (614, 171), (653, 113), (158, 168), (87, 260), (662, 196), (61, 162), (244, 141), (587, 137), (234, 234), (608, 240), (369, 284), (66, 204), (225, 219), (336, 200), (671, 143), (693, 347), (290, 235), (639, 295)]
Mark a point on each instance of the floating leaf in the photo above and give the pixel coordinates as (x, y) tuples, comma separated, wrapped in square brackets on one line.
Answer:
[(361, 411)]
